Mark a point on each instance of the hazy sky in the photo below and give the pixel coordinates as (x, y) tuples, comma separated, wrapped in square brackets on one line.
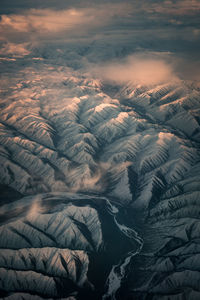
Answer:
[(167, 31)]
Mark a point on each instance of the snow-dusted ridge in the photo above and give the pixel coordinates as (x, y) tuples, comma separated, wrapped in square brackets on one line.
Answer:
[(74, 148), (47, 241)]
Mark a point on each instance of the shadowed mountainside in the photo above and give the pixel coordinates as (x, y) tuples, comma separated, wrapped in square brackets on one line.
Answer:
[(78, 144)]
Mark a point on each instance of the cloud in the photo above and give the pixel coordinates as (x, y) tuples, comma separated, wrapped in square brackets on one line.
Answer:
[(16, 50), (106, 30), (48, 21), (35, 26), (138, 69), (44, 21), (180, 7)]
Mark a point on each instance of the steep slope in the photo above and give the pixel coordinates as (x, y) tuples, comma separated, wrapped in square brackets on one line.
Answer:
[(71, 141), (52, 244), (168, 185)]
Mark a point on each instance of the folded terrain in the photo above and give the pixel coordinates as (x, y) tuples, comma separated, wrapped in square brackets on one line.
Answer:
[(100, 188)]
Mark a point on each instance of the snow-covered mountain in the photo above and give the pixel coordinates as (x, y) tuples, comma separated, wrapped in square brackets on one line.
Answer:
[(100, 187)]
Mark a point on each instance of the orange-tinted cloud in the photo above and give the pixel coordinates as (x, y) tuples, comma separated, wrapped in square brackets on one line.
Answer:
[(12, 49), (137, 69), (53, 21), (35, 25)]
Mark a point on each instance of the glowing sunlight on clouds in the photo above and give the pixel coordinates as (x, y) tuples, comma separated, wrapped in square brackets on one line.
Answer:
[(137, 69), (43, 21), (17, 50)]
